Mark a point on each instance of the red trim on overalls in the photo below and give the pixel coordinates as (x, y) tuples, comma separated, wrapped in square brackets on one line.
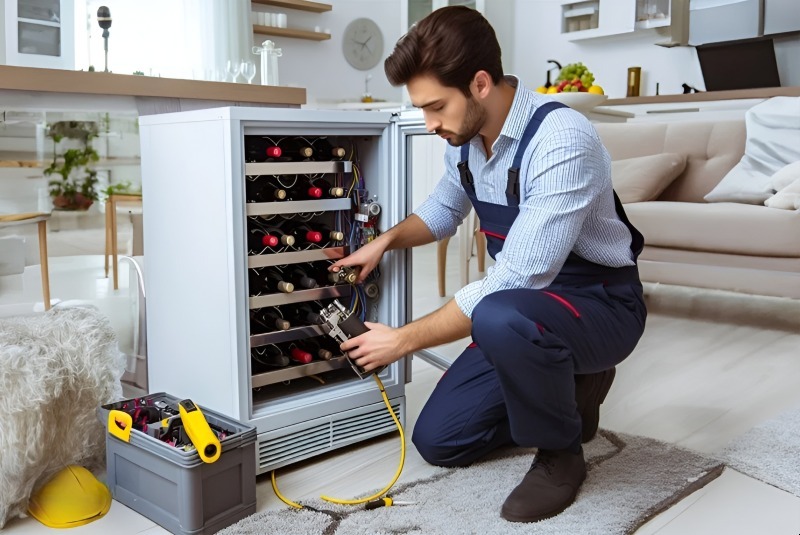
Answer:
[(493, 234), (564, 302)]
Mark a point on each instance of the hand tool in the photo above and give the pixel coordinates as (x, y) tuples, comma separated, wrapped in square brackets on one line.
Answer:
[(386, 501)]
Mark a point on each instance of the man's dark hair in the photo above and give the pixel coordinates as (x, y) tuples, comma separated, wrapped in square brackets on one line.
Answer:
[(451, 44)]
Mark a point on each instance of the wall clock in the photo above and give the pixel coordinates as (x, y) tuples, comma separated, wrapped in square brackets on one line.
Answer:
[(362, 44)]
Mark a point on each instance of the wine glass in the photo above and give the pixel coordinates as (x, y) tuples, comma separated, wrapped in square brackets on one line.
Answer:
[(248, 69), (232, 68)]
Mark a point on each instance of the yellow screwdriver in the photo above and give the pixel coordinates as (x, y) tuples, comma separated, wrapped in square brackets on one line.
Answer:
[(385, 502)]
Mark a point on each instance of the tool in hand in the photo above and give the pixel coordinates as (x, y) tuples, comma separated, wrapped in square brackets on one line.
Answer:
[(200, 433), (386, 501), (341, 325)]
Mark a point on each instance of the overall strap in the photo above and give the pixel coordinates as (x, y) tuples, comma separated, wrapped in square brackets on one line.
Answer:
[(512, 188), (467, 181)]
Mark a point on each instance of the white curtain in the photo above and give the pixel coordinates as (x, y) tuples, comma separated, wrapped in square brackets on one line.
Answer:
[(168, 38)]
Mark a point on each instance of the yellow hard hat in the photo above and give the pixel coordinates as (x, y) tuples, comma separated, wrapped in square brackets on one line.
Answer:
[(73, 497)]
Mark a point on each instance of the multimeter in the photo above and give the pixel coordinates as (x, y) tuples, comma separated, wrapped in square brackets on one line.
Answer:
[(200, 433)]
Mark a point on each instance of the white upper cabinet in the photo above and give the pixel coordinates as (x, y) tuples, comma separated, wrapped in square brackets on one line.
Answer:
[(37, 33), (714, 21), (596, 18), (781, 16)]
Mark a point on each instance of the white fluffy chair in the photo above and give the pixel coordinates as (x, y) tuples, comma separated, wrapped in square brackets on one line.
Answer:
[(56, 369)]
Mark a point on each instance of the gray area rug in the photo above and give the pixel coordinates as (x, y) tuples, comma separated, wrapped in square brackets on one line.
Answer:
[(630, 480), (769, 452)]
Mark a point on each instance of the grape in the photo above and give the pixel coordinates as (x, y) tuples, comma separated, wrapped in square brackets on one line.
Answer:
[(576, 71)]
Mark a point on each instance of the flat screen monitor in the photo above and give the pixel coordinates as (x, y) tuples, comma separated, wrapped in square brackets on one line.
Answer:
[(739, 65)]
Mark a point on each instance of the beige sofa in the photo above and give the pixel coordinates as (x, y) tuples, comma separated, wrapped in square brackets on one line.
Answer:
[(729, 246)]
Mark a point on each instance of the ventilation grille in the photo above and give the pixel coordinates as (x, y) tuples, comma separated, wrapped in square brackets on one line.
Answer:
[(325, 435)]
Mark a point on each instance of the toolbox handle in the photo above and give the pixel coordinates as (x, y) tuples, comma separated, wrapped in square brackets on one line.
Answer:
[(120, 424)]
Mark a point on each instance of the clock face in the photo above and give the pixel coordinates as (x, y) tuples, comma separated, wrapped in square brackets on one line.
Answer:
[(363, 44)]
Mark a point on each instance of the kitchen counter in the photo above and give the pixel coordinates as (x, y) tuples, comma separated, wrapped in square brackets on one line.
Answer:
[(27, 87), (707, 96)]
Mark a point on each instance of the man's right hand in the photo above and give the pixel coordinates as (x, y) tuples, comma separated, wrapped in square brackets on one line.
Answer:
[(366, 257)]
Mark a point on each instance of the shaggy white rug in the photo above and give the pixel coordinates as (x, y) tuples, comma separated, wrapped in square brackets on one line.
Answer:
[(56, 369)]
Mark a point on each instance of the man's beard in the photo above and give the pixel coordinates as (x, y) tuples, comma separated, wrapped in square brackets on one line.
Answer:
[(474, 117)]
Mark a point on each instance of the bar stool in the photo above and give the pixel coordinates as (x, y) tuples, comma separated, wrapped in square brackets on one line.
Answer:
[(470, 235), (40, 218), (111, 228)]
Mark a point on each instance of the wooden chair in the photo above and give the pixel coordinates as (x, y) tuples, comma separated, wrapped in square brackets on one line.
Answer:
[(40, 218), (471, 236), (111, 229)]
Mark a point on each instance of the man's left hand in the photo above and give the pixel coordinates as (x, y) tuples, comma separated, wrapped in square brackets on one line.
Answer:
[(380, 346)]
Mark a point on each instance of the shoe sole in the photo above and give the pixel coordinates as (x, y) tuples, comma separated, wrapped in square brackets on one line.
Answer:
[(591, 415), (545, 516)]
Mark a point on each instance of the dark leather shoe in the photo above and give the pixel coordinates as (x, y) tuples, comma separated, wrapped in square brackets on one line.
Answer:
[(549, 487), (590, 391)]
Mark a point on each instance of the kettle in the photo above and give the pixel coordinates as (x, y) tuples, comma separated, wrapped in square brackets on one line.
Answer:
[(269, 62)]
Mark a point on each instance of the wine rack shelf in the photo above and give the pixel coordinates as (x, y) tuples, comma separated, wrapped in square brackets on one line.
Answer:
[(295, 372), (300, 5), (297, 207), (297, 168), (295, 257), (289, 335), (277, 299)]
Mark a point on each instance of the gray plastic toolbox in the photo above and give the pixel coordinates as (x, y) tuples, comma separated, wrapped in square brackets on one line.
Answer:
[(175, 488)]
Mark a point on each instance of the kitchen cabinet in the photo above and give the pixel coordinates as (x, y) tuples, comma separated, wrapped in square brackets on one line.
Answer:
[(714, 21), (781, 16), (652, 14), (37, 33), (414, 11), (596, 18)]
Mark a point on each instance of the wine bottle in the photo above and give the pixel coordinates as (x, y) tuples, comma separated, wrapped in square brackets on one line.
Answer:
[(323, 150), (304, 234), (296, 149), (263, 191), (313, 346), (302, 314), (268, 280), (305, 192), (259, 149), (328, 191), (270, 355), (301, 279), (258, 240), (298, 354), (282, 237), (331, 234), (270, 319)]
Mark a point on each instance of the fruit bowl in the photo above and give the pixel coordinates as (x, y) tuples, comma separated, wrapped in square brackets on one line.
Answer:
[(579, 101)]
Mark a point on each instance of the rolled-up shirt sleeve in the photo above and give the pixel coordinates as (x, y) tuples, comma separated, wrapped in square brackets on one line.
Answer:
[(448, 204), (559, 181)]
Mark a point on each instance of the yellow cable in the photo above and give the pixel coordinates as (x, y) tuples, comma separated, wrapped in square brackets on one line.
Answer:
[(376, 495), (402, 456), (280, 496)]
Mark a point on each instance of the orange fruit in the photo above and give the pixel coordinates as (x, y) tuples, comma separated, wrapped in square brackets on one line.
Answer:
[(596, 89)]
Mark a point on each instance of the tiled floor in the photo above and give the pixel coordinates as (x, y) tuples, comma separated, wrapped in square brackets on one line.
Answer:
[(691, 381)]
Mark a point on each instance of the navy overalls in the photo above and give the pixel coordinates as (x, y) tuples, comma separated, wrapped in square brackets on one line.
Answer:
[(515, 383)]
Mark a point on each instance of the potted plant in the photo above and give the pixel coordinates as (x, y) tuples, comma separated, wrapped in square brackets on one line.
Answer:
[(75, 189)]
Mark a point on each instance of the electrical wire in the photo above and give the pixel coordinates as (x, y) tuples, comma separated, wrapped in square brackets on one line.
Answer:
[(383, 491)]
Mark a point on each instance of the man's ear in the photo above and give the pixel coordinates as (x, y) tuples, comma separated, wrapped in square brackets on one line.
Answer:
[(482, 84)]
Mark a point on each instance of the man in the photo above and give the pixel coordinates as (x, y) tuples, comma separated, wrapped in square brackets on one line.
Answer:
[(563, 303)]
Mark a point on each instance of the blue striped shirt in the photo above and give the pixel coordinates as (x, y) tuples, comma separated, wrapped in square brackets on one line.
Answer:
[(566, 201)]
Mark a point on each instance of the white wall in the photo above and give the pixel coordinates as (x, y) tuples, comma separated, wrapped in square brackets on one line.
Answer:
[(319, 66), (537, 38)]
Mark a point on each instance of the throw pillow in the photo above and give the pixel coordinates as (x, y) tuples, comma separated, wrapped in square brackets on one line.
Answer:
[(773, 141), (787, 198), (785, 176), (645, 177)]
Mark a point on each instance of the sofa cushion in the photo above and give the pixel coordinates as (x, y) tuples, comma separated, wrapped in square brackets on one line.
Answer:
[(787, 198), (773, 141), (726, 227), (644, 178), (712, 149)]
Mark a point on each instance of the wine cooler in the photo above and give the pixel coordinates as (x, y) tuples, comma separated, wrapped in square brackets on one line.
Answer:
[(244, 211)]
